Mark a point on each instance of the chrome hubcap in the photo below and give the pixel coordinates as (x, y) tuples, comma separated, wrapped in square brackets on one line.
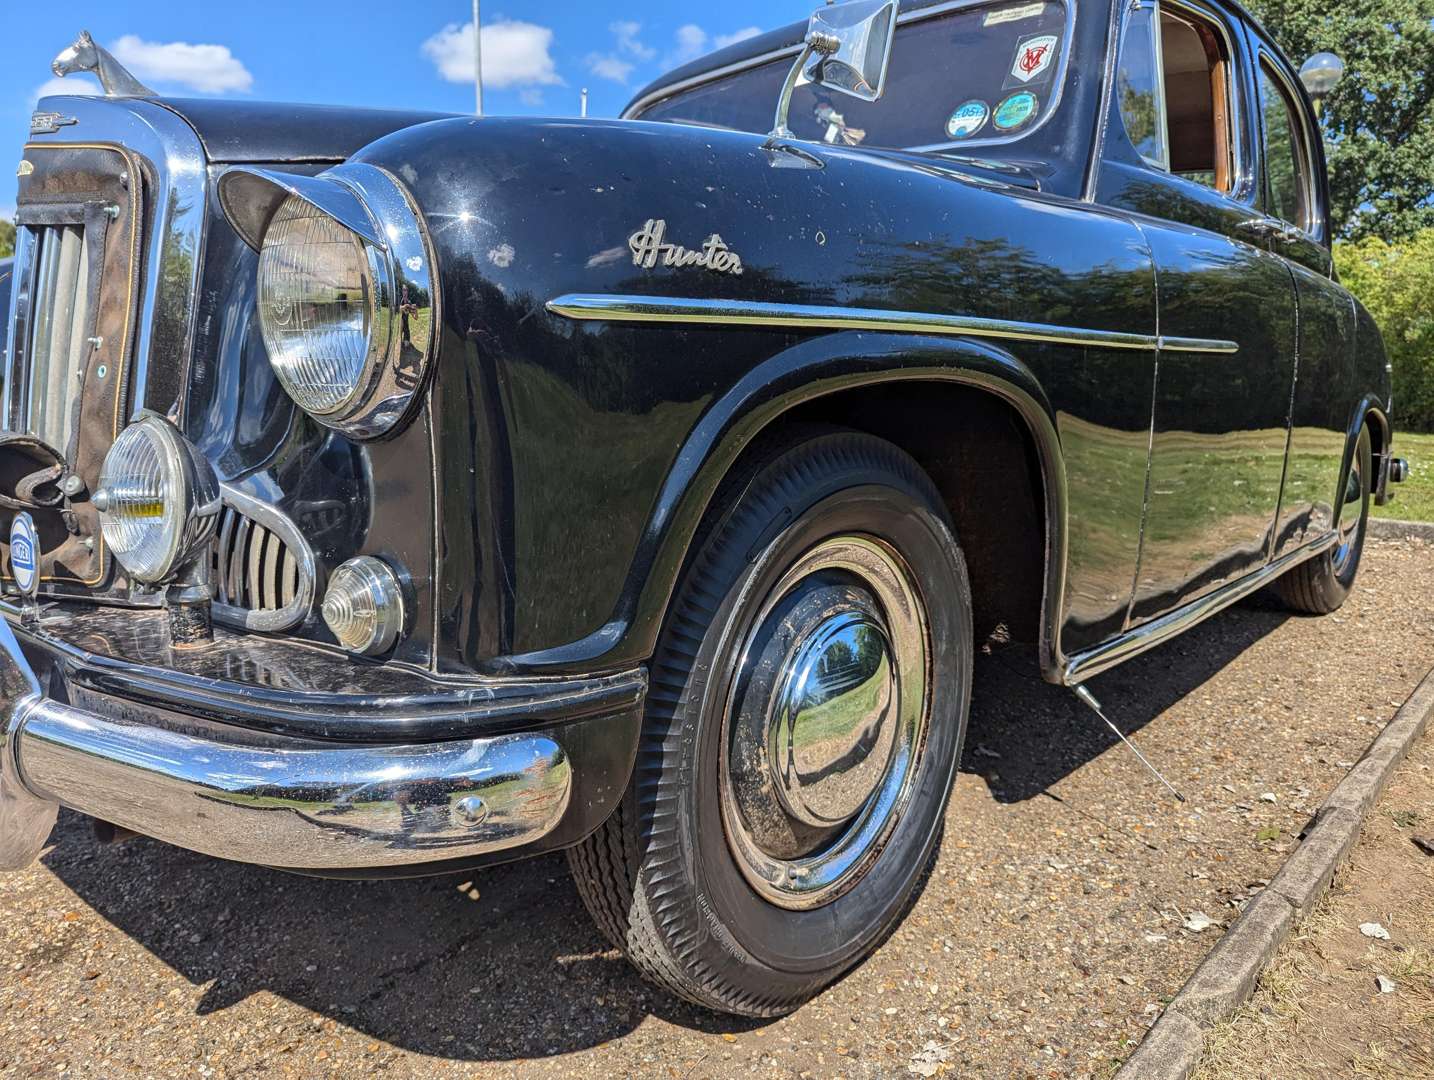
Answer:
[(1349, 517), (826, 722)]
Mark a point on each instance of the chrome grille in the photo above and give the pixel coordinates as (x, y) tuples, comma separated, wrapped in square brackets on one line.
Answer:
[(253, 568), (59, 334), (264, 568)]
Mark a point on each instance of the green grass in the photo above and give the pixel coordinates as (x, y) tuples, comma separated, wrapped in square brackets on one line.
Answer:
[(1413, 499)]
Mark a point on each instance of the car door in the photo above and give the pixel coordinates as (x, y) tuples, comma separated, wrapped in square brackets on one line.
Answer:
[(1295, 197), (1180, 156)]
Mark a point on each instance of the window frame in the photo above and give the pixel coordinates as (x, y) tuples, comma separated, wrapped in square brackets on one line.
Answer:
[(1316, 215), (636, 109), (1132, 9), (1246, 179)]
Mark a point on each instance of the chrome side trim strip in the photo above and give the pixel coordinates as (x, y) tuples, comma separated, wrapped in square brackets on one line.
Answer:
[(1092, 662), (670, 309)]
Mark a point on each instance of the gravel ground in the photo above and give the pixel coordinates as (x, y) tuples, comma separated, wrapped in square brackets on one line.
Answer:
[(1320, 1010), (1049, 932)]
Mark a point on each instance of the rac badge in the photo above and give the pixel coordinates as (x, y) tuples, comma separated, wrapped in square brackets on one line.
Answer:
[(649, 244), (24, 555)]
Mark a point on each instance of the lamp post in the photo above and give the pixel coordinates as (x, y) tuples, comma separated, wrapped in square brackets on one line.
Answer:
[(1320, 74), (477, 59)]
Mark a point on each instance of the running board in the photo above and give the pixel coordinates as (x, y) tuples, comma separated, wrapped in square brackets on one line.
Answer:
[(1103, 657)]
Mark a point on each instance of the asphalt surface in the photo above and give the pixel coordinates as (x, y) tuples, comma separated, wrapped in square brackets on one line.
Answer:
[(1055, 921)]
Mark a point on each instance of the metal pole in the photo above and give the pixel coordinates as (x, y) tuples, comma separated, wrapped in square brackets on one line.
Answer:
[(585, 102), (477, 58)]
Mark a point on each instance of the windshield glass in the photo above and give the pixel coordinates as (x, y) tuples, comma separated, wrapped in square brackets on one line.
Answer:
[(977, 75)]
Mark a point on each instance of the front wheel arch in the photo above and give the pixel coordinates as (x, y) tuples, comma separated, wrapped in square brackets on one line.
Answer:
[(817, 381)]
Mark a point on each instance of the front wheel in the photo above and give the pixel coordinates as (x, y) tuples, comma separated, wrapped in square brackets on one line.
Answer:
[(808, 704), (1320, 585)]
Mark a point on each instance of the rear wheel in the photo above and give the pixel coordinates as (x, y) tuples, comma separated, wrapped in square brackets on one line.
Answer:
[(808, 704), (1320, 585)]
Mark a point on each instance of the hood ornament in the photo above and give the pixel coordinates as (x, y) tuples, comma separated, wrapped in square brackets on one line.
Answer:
[(85, 55)]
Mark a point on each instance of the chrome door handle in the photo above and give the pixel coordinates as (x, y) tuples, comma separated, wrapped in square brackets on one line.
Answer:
[(1263, 228), (1266, 228)]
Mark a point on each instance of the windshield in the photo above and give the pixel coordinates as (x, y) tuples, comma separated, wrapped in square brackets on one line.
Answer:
[(977, 75)]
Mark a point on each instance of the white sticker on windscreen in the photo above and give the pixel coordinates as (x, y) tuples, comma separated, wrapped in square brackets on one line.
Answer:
[(1014, 14), (1034, 57)]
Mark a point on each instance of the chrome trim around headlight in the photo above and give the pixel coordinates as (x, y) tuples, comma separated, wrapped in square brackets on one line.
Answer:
[(378, 209)]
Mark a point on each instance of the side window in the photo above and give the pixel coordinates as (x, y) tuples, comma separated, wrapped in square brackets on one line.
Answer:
[(1174, 90), (1287, 163), (1140, 86)]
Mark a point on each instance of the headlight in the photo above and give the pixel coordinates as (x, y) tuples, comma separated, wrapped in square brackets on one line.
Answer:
[(345, 293), (158, 499), (318, 286), (364, 605)]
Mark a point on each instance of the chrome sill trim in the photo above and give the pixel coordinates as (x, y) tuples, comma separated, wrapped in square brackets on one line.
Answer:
[(669, 309), (1092, 662)]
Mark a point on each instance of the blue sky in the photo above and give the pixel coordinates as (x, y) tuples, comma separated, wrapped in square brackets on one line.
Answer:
[(410, 53)]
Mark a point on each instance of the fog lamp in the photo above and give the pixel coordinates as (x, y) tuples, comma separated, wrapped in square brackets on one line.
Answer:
[(158, 500), (364, 606)]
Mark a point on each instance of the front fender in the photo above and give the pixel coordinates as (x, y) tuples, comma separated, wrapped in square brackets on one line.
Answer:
[(575, 457), (797, 376)]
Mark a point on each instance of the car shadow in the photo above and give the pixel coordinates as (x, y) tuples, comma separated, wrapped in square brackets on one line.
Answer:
[(1025, 734), (504, 963)]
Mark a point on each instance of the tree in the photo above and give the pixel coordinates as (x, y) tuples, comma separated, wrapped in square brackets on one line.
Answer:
[(7, 239), (1395, 281), (1380, 119)]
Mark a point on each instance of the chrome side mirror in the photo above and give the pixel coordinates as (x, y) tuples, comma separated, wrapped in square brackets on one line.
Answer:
[(847, 48)]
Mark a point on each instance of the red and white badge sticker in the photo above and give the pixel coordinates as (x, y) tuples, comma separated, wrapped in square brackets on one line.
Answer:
[(1034, 57)]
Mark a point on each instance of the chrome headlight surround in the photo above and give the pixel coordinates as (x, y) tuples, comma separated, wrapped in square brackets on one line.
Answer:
[(382, 217), (183, 486)]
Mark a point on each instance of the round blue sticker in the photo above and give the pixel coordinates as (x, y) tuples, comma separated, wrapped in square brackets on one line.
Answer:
[(1016, 111), (24, 554), (968, 119)]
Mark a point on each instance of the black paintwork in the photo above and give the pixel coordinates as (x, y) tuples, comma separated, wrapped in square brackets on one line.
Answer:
[(274, 132), (543, 503)]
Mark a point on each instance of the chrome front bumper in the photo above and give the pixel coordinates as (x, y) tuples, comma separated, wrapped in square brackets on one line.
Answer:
[(299, 804)]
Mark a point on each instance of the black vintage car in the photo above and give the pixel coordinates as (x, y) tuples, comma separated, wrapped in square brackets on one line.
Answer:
[(391, 493)]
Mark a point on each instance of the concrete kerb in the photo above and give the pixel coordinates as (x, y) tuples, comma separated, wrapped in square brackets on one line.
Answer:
[(1227, 977)]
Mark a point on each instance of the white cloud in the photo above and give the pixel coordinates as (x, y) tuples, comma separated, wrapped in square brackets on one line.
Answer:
[(208, 69), (627, 41), (514, 54), (531, 98), (628, 51), (608, 66), (721, 41), (71, 84), (691, 43)]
